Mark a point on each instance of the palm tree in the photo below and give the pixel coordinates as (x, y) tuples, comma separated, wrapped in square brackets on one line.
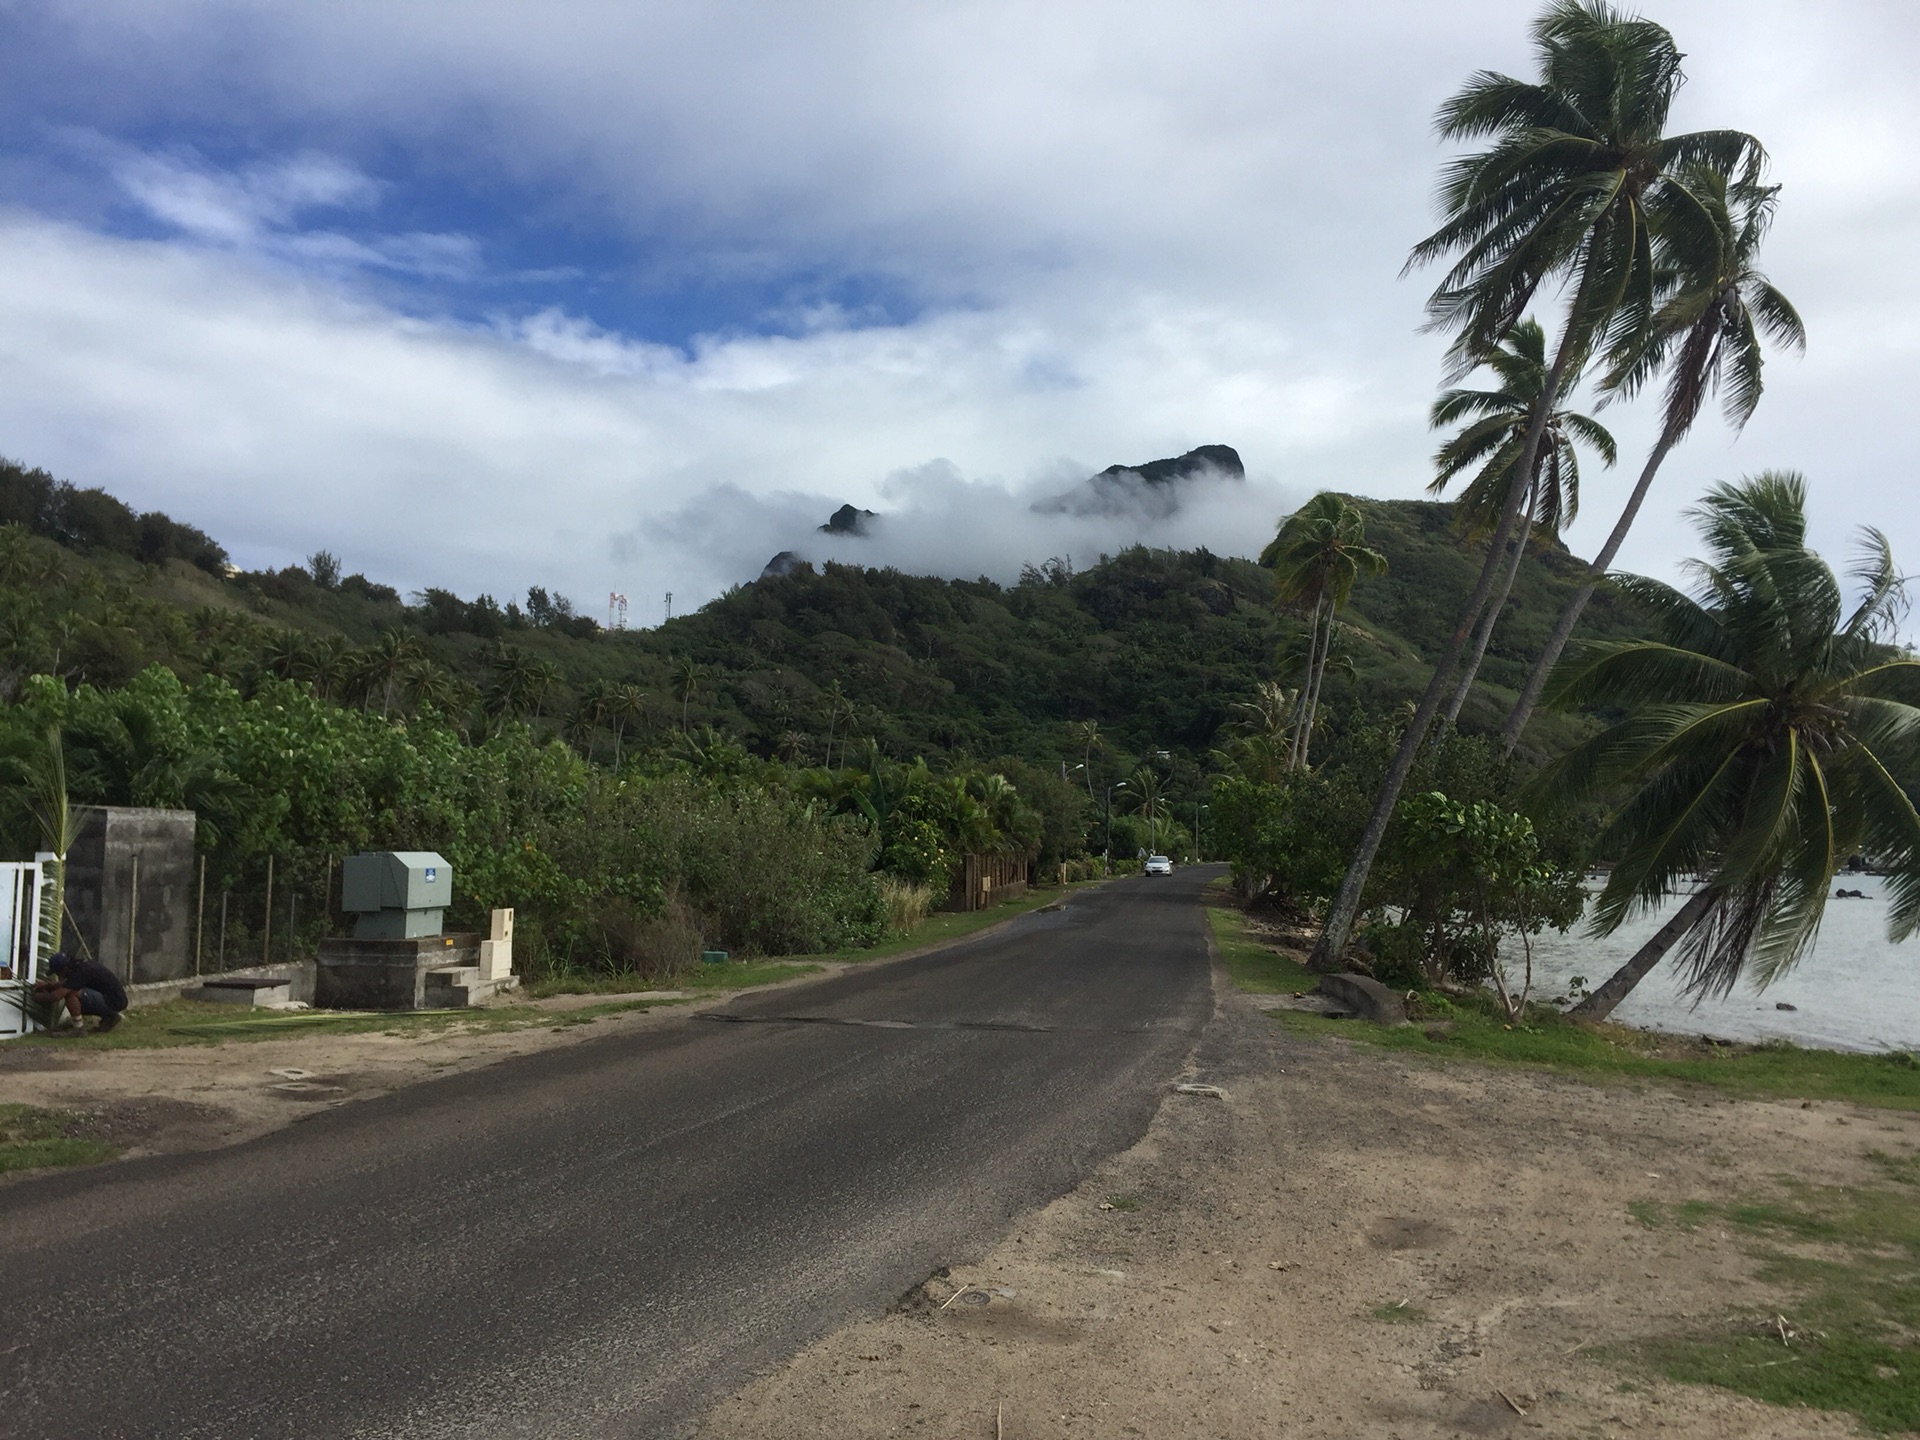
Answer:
[(1317, 557), (837, 705), (583, 726), (1771, 737), (428, 684), (331, 664), (19, 560), (512, 691), (1148, 795), (544, 680), (626, 705), (1492, 438), (286, 656), (687, 678), (1263, 748), (1578, 171), (386, 662), (1087, 732), (1707, 337)]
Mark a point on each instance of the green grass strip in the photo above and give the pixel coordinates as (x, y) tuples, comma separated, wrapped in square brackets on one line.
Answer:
[(1256, 968), (35, 1139), (1547, 1041), (1849, 1258), (1456, 1030)]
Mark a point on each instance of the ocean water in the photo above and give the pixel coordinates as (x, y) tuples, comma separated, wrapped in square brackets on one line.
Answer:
[(1852, 991)]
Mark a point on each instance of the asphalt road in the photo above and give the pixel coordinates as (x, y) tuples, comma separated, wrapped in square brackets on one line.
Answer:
[(607, 1238)]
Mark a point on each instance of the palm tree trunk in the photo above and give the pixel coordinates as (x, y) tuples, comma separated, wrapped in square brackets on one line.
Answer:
[(1329, 951), (1496, 606), (1596, 571), (1296, 752), (1313, 699), (1619, 985)]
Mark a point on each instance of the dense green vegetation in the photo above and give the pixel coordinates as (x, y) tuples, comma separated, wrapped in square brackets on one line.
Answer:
[(1157, 646), (753, 776)]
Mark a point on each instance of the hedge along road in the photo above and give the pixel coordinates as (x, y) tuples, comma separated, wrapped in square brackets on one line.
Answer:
[(607, 1238)]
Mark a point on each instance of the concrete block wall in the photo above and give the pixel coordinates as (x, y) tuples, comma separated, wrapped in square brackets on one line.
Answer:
[(142, 932)]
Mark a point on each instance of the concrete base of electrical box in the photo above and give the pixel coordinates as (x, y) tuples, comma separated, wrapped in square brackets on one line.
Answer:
[(428, 972)]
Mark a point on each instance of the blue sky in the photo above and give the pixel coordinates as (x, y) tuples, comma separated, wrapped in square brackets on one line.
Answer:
[(629, 296)]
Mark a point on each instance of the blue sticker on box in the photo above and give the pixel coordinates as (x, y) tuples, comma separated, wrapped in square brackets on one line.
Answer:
[(432, 874)]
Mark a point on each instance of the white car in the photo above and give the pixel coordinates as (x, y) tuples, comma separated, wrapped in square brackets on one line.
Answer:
[(1159, 865)]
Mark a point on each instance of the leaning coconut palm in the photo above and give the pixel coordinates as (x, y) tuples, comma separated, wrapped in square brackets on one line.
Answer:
[(1492, 439), (1579, 166), (1317, 557), (1772, 736), (1707, 337)]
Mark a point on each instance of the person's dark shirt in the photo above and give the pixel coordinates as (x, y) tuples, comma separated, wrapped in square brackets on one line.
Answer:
[(92, 975)]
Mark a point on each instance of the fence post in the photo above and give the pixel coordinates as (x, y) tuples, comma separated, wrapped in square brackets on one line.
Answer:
[(133, 913), (200, 918), (266, 918)]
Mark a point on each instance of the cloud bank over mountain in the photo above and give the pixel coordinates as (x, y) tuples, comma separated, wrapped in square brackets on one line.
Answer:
[(938, 521)]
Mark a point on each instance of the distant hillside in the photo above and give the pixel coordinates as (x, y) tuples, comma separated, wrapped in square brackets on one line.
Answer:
[(1157, 646)]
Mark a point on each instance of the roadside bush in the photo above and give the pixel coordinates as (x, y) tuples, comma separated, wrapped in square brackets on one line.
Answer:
[(661, 947), (765, 874), (1461, 879), (1287, 842), (906, 904)]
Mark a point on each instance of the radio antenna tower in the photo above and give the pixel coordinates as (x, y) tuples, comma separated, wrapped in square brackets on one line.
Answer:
[(669, 604), (616, 611)]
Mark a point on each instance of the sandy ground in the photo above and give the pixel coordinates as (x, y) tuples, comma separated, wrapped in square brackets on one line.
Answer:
[(197, 1097), (1229, 1290)]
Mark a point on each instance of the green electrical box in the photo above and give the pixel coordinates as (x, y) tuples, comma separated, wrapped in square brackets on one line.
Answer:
[(396, 894)]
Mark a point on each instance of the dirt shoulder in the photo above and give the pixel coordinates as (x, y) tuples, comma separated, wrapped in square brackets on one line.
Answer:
[(1354, 1243), (201, 1096)]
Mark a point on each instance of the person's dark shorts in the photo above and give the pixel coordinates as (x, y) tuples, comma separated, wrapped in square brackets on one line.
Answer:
[(92, 1002)]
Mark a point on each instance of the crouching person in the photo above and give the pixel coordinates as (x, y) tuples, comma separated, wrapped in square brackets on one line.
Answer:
[(82, 988)]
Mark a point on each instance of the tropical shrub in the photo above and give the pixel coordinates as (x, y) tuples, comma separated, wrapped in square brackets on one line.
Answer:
[(1457, 880)]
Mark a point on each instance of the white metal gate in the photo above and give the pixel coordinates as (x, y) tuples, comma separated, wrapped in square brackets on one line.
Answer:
[(21, 893)]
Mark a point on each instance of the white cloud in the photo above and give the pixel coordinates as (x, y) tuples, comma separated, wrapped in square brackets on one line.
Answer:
[(259, 209), (283, 416), (1132, 231)]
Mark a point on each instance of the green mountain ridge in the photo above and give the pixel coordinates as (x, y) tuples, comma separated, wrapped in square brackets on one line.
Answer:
[(1157, 646)]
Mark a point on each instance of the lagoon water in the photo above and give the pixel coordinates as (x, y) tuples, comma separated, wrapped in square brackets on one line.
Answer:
[(1852, 991)]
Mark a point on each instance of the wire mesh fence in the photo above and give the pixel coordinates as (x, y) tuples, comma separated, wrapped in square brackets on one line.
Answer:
[(264, 910)]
